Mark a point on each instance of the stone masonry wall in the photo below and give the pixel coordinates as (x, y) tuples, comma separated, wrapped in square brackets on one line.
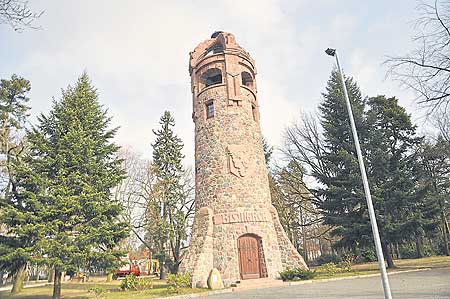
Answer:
[(199, 260), (231, 176)]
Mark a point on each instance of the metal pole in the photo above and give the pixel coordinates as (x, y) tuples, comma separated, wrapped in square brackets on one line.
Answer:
[(373, 220)]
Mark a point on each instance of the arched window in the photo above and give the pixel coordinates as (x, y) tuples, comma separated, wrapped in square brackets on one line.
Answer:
[(211, 77), (247, 79), (215, 49)]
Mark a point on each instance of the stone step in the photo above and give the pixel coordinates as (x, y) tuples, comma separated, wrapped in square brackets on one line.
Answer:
[(259, 283)]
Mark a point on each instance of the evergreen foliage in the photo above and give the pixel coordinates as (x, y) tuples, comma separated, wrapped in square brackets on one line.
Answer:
[(434, 176), (343, 196), (63, 205), (388, 140), (13, 114), (403, 212), (172, 204)]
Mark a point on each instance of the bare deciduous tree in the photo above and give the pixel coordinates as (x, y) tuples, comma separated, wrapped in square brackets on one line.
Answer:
[(426, 70), (17, 14), (441, 121), (298, 204), (129, 191), (170, 233), (142, 199), (296, 207), (304, 144)]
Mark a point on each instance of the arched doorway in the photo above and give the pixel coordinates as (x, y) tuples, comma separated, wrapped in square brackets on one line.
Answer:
[(250, 257)]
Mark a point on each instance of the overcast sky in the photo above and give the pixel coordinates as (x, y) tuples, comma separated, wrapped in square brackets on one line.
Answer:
[(136, 53)]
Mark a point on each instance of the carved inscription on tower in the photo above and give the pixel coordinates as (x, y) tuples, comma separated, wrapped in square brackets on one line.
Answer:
[(236, 217)]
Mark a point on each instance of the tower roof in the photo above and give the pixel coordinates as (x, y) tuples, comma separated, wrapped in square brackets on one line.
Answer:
[(220, 42)]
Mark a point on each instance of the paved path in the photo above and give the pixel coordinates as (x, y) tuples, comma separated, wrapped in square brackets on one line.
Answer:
[(432, 284)]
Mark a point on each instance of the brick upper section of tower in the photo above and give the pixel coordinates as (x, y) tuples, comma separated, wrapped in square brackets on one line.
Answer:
[(224, 41)]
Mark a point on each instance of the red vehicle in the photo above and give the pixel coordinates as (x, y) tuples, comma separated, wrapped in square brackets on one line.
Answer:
[(127, 269)]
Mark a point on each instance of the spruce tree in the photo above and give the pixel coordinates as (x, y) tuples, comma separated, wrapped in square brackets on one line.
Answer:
[(168, 224), (343, 203), (65, 188)]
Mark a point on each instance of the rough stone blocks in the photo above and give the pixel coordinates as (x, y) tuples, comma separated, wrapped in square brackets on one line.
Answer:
[(232, 187)]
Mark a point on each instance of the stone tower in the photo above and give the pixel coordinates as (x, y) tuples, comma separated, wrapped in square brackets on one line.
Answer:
[(236, 229)]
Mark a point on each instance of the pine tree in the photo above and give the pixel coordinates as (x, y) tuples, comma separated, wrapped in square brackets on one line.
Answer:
[(65, 187), (401, 208), (13, 114), (172, 204), (434, 169)]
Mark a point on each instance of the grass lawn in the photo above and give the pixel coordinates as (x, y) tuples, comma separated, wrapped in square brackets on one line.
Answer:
[(75, 290), (402, 265)]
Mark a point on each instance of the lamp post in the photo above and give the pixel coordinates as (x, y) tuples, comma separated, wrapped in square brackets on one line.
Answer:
[(373, 220)]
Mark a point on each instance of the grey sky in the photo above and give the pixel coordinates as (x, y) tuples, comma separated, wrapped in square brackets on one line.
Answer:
[(136, 53)]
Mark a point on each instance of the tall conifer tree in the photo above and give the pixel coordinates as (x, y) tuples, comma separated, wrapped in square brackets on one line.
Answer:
[(168, 227), (65, 186), (13, 114), (343, 205), (403, 213)]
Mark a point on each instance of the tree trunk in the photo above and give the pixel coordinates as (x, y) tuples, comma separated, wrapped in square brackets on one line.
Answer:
[(303, 232), (397, 249), (419, 246), (18, 280), (445, 231), (162, 270), (1, 277), (57, 284), (109, 276), (387, 255), (151, 270), (176, 256), (51, 275), (445, 228)]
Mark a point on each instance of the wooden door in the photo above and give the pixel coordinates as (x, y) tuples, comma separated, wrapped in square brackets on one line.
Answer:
[(248, 250)]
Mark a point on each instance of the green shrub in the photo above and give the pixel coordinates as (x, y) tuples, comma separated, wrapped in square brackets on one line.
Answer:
[(133, 283), (329, 268), (144, 284), (345, 266), (129, 283), (328, 258), (368, 255), (178, 281), (297, 274), (409, 251), (348, 260)]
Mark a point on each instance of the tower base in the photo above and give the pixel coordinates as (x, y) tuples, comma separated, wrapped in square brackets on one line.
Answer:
[(240, 245)]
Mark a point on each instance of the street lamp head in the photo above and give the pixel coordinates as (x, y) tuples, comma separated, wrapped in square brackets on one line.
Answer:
[(330, 51)]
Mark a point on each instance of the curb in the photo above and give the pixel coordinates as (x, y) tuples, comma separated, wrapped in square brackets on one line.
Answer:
[(197, 295), (293, 283)]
